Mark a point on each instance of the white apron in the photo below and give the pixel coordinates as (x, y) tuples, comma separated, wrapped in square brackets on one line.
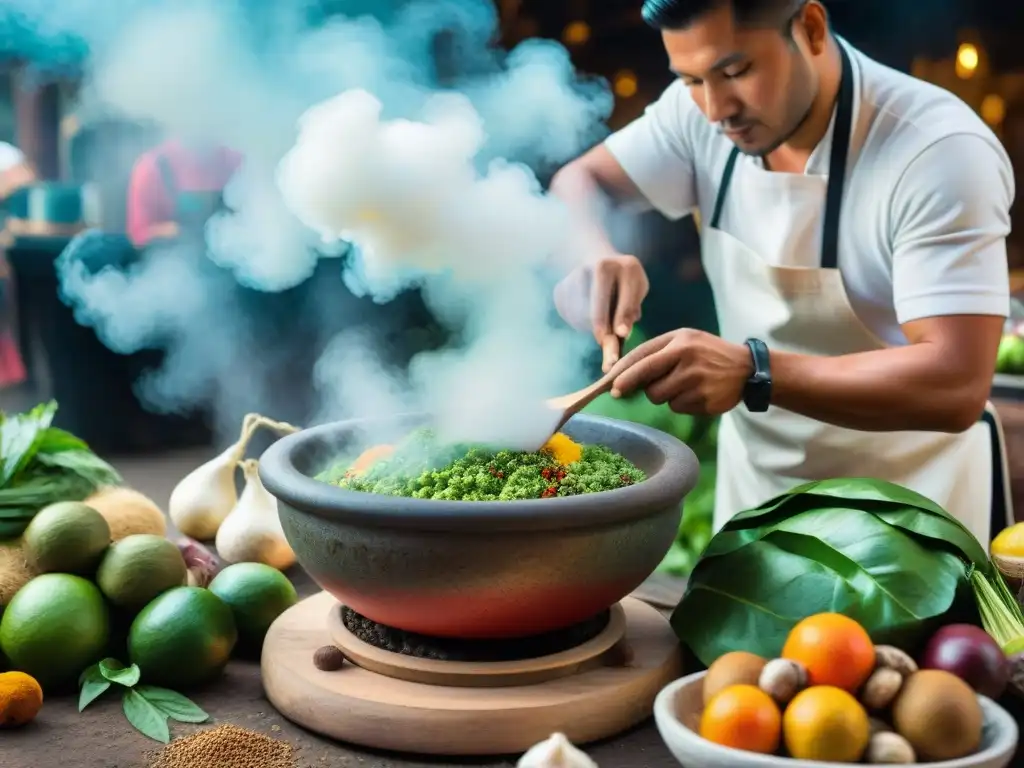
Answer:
[(807, 311)]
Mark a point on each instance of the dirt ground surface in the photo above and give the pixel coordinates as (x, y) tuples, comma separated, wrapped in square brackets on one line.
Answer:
[(100, 737)]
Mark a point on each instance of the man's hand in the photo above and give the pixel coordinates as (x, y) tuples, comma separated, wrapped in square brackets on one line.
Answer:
[(693, 371), (606, 296)]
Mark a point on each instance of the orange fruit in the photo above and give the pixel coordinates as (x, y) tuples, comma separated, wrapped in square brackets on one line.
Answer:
[(834, 649), (21, 698), (826, 724), (743, 717)]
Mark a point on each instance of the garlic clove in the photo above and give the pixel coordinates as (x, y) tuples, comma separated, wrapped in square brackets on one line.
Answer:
[(555, 752), (203, 498), (252, 532)]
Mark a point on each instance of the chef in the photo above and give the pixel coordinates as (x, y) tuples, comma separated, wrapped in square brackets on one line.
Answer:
[(854, 234)]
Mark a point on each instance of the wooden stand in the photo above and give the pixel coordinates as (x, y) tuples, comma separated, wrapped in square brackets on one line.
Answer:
[(592, 692)]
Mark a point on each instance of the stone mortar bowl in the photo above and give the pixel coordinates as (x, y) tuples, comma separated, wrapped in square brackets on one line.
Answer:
[(478, 569)]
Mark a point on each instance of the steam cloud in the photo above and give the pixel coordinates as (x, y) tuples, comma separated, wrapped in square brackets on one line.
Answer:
[(353, 129)]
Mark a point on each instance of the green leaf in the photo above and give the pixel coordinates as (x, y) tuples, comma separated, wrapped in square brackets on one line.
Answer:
[(145, 718), (116, 672), (20, 436), (173, 704), (882, 563), (93, 685)]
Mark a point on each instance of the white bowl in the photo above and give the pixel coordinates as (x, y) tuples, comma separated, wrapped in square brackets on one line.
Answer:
[(677, 711)]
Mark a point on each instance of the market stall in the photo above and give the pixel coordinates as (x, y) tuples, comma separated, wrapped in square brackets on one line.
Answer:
[(178, 630)]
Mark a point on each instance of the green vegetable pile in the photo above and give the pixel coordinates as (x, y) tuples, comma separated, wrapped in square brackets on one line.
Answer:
[(422, 468), (41, 464), (883, 555)]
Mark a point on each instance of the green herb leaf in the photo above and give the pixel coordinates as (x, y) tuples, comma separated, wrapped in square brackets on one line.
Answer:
[(93, 686), (20, 436), (145, 718), (116, 672), (173, 704)]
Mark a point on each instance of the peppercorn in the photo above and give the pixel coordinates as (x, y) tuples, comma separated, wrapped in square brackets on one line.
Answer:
[(328, 658)]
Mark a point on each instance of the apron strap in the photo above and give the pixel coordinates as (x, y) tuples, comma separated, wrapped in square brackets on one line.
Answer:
[(836, 171), (837, 166), (723, 186), (1001, 509)]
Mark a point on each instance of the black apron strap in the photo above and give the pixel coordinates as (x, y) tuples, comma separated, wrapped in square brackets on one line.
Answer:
[(836, 171), (837, 166), (723, 186), (999, 512)]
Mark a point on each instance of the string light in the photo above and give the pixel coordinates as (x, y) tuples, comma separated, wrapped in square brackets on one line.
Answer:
[(993, 109), (967, 58), (576, 33), (625, 84)]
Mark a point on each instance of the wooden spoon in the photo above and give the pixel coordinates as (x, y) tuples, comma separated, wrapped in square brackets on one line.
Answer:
[(571, 404)]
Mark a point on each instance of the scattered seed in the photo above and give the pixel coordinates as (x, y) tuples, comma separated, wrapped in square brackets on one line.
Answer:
[(328, 658)]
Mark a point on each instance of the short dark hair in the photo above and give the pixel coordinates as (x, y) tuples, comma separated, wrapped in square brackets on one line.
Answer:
[(680, 14)]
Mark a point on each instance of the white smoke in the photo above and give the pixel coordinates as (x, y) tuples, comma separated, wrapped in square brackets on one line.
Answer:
[(353, 128)]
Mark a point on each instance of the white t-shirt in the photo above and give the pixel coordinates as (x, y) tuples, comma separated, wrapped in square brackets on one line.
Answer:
[(925, 206)]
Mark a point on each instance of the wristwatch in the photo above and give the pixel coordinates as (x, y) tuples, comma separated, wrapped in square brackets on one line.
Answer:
[(757, 392)]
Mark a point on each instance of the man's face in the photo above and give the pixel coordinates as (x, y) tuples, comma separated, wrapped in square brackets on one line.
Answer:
[(756, 83)]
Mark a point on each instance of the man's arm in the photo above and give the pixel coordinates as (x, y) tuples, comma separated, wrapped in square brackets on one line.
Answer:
[(951, 291), (950, 218), (647, 164)]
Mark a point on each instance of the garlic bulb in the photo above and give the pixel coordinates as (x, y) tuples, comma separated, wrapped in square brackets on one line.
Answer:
[(252, 532), (205, 496), (555, 752)]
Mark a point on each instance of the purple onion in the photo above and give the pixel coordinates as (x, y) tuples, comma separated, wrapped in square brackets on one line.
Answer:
[(971, 654)]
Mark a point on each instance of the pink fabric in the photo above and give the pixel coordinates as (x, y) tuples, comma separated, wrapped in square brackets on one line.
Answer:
[(149, 202)]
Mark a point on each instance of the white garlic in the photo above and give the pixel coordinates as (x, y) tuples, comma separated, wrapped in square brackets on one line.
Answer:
[(555, 752), (206, 495), (252, 532)]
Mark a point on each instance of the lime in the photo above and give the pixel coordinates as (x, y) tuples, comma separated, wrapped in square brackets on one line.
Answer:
[(183, 638), (1010, 358), (67, 537), (138, 568), (55, 627), (257, 594)]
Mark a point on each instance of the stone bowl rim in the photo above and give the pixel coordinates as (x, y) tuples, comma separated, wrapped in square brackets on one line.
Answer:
[(663, 488)]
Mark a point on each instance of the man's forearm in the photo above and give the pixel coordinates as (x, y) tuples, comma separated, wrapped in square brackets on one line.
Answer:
[(586, 202), (904, 388)]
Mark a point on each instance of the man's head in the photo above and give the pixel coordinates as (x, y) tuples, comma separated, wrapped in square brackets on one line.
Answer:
[(751, 65)]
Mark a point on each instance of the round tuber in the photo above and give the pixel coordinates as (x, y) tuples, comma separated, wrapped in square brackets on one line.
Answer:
[(128, 512), (888, 748), (881, 688), (782, 679), (891, 657)]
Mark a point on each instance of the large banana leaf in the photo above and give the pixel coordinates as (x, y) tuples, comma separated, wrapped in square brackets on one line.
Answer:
[(886, 556)]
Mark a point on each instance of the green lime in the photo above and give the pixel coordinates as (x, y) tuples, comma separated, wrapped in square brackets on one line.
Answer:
[(55, 627), (138, 568), (257, 594), (183, 638), (67, 537), (1010, 358)]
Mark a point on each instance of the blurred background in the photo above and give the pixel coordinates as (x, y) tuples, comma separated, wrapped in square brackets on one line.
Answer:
[(62, 173)]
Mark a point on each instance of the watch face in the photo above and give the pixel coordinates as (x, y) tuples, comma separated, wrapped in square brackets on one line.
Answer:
[(758, 394)]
